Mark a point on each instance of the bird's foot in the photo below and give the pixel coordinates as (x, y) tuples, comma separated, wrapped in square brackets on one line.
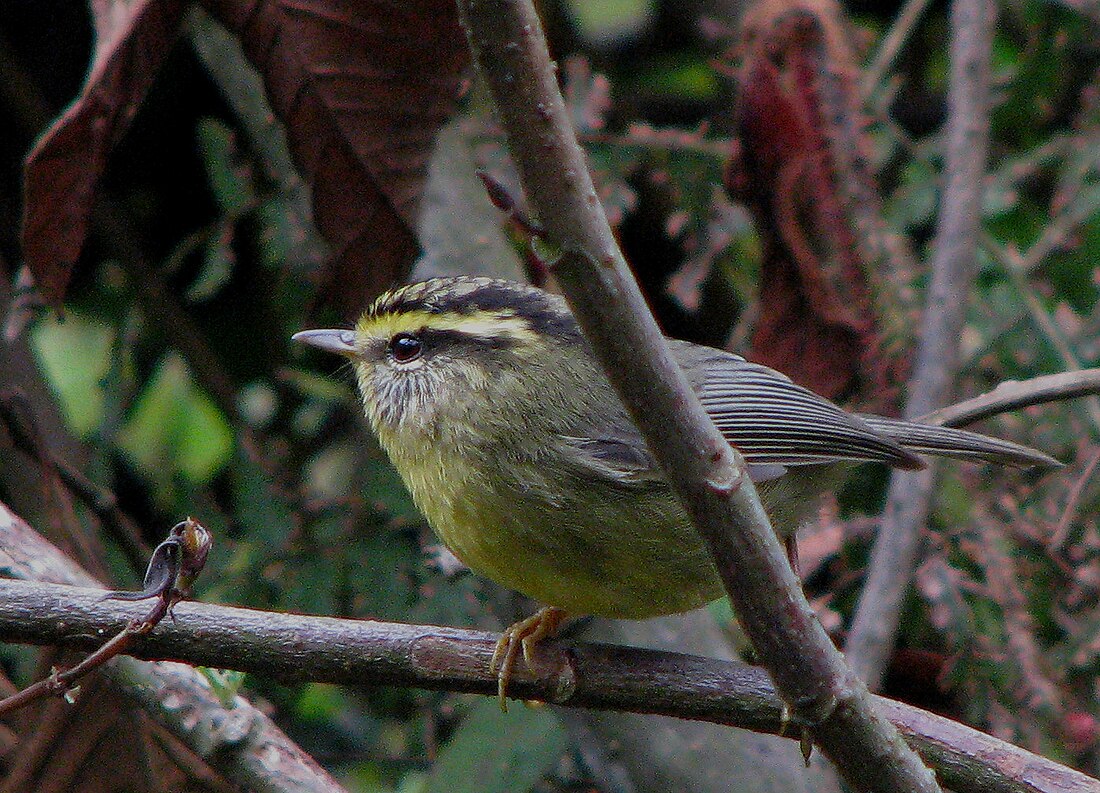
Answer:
[(524, 635)]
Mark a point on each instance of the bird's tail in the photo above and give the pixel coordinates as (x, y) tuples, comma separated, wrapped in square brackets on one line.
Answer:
[(960, 444)]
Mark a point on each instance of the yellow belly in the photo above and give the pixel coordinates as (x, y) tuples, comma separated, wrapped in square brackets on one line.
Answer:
[(613, 551), (621, 554)]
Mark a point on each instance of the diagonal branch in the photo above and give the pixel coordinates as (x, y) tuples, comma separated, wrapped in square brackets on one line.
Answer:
[(708, 475), (953, 269), (1017, 266), (907, 19)]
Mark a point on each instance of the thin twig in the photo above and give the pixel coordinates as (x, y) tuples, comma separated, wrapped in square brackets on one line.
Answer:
[(174, 565), (538, 270), (61, 682), (1035, 690), (707, 474), (1056, 234), (1090, 9), (900, 31), (293, 647), (1015, 264), (17, 413), (240, 742), (1060, 534), (953, 269), (1016, 394)]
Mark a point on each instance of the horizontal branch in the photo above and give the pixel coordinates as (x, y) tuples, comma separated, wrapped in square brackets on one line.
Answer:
[(236, 739), (294, 648)]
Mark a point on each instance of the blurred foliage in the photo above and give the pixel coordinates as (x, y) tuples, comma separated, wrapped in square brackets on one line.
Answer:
[(308, 515)]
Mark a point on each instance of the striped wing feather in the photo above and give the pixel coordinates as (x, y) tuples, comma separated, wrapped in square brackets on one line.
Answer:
[(776, 423), (772, 420), (960, 444)]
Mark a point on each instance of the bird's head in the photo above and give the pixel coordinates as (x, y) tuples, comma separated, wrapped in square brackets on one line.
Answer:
[(452, 348)]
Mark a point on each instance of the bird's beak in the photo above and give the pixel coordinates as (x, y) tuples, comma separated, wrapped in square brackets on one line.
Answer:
[(341, 342)]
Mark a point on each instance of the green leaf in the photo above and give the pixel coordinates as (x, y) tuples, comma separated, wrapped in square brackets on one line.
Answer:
[(322, 388), (217, 268), (914, 202), (75, 356), (226, 683), (495, 752), (175, 430), (613, 20), (225, 171), (688, 77), (318, 702)]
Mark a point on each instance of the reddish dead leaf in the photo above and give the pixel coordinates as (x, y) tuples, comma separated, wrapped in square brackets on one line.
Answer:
[(132, 39), (587, 95), (915, 676), (363, 88), (796, 165)]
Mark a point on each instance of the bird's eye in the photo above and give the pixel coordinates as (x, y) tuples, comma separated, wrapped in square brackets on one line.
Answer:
[(405, 347)]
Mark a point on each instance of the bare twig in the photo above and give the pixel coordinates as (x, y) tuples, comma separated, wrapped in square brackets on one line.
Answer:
[(507, 203), (707, 474), (172, 571), (292, 647), (1089, 9), (900, 31), (17, 414), (1015, 265), (1057, 233), (240, 742), (953, 269), (62, 682), (538, 270), (1035, 689), (1016, 394), (1060, 533)]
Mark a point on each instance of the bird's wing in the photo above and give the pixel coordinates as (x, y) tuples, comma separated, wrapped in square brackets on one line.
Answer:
[(620, 455), (626, 460), (773, 421)]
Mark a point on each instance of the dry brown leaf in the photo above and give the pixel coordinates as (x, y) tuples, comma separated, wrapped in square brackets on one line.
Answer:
[(818, 320), (363, 88), (132, 39)]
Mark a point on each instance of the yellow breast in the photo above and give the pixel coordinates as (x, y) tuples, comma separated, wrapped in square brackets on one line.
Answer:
[(609, 556)]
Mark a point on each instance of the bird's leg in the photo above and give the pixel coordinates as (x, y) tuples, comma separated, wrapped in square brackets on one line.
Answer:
[(524, 635), (791, 544), (805, 738)]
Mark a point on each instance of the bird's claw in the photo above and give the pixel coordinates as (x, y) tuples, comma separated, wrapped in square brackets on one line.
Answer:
[(523, 635)]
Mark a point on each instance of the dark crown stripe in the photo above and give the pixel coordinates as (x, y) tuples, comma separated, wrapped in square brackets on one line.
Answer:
[(435, 338), (544, 313)]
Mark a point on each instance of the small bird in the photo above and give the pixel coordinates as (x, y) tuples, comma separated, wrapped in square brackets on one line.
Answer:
[(489, 402)]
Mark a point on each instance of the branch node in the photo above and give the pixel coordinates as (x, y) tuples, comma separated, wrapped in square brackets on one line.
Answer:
[(727, 477), (565, 679)]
